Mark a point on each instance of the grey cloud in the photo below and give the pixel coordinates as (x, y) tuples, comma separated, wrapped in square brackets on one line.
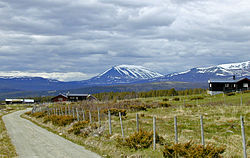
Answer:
[(90, 36)]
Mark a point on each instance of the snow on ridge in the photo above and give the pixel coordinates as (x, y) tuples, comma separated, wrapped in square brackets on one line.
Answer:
[(133, 71), (240, 65)]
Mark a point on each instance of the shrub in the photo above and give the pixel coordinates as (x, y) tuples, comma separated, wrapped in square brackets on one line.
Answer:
[(76, 128), (189, 105), (176, 99), (165, 99), (28, 113), (140, 140), (247, 91), (164, 104), (59, 120), (138, 107), (230, 94), (191, 150), (196, 98), (39, 114), (115, 112)]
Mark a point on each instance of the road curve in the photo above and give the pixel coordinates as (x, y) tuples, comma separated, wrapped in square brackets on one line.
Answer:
[(32, 141)]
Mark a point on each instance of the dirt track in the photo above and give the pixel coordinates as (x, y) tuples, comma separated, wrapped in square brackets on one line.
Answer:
[(33, 141)]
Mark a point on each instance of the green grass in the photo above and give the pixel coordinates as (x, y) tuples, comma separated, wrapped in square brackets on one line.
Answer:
[(221, 116)]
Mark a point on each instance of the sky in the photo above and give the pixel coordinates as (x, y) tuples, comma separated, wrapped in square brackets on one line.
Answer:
[(76, 40)]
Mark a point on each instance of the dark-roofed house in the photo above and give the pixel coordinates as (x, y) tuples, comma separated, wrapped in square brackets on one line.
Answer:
[(223, 86), (80, 97), (59, 98), (73, 97)]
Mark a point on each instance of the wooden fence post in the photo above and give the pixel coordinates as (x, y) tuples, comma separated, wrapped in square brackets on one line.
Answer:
[(83, 115), (110, 128), (90, 117), (65, 108), (121, 126), (77, 115), (137, 122), (176, 130), (154, 136), (243, 137), (69, 110), (202, 131), (73, 111), (99, 118)]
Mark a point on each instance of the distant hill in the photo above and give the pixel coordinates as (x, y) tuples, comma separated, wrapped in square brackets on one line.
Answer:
[(111, 88)]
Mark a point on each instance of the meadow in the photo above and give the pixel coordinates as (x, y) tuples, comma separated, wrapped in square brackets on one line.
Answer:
[(221, 122)]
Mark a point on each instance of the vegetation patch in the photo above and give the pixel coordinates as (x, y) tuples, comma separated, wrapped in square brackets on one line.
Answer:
[(191, 150), (196, 98), (164, 104), (139, 140), (115, 112), (59, 120), (76, 128)]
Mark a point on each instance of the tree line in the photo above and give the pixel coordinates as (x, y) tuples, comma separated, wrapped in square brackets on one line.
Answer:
[(152, 93)]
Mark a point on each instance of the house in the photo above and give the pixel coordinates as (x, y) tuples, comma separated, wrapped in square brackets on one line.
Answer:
[(19, 101), (223, 86), (73, 97), (59, 98)]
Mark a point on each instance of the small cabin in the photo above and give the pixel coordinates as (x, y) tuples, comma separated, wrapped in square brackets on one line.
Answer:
[(59, 98), (73, 97), (224, 86)]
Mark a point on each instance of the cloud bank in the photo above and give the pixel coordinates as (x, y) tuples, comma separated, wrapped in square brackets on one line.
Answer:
[(88, 37)]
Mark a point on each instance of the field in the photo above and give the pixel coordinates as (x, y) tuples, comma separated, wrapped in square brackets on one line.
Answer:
[(221, 119)]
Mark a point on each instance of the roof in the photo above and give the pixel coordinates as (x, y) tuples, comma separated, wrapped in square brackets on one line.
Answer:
[(78, 95), (225, 81)]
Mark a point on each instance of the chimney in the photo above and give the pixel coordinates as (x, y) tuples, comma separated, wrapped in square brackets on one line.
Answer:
[(233, 77)]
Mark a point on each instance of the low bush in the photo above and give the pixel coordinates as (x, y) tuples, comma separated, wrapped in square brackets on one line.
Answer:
[(164, 104), (176, 99), (165, 99), (230, 94), (189, 105), (39, 114), (28, 113), (139, 140), (76, 128), (59, 120), (138, 107), (247, 91), (115, 112), (196, 98), (191, 150)]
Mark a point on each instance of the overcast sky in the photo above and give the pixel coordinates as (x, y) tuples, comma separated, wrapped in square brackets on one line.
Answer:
[(75, 40)]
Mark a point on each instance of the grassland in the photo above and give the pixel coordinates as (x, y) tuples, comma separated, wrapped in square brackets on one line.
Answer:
[(221, 124)]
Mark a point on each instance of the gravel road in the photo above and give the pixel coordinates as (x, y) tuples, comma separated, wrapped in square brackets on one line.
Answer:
[(33, 141)]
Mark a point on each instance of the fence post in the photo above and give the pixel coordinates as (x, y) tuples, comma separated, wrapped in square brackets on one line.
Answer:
[(154, 136), (65, 108), (110, 128), (243, 137), (69, 110), (83, 115), (99, 119), (121, 126), (137, 122), (73, 111), (176, 130), (202, 132), (90, 118), (77, 115)]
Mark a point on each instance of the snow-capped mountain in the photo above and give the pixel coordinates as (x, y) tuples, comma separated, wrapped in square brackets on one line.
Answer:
[(124, 74), (222, 71)]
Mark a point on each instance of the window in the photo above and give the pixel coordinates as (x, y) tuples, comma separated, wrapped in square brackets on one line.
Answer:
[(234, 85), (245, 85), (210, 85), (60, 99), (226, 85)]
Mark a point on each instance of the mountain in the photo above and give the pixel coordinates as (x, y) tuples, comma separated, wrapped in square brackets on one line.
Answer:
[(123, 74), (10, 84), (223, 71)]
